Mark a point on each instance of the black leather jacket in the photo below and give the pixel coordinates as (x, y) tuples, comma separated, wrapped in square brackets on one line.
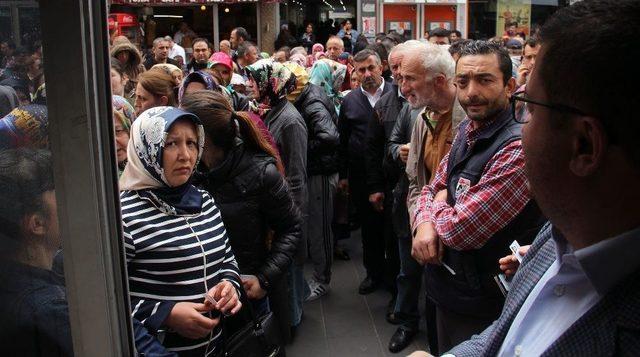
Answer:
[(321, 118), (254, 199)]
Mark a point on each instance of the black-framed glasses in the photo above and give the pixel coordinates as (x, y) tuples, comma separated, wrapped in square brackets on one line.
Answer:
[(520, 112)]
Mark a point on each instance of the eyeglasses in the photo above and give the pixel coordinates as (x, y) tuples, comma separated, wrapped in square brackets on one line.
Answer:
[(519, 114)]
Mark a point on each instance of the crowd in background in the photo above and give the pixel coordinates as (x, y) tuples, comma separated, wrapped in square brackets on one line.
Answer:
[(470, 176)]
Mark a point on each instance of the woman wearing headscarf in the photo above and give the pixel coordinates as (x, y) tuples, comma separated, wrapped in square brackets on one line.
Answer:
[(244, 174), (329, 75), (182, 272), (123, 116), (173, 71), (270, 82), (311, 58), (25, 126), (321, 118)]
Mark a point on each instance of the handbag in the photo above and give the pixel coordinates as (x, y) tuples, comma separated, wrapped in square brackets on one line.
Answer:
[(257, 338)]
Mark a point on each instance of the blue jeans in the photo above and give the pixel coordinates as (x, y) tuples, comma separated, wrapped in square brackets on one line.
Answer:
[(408, 282)]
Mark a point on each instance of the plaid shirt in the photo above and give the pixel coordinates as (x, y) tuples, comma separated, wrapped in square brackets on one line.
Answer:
[(485, 208)]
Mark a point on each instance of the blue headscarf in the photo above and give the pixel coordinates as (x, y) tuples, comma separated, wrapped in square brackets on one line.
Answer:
[(197, 76), (329, 75), (144, 172)]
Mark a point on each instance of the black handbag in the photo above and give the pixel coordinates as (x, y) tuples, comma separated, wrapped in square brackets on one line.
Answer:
[(257, 338)]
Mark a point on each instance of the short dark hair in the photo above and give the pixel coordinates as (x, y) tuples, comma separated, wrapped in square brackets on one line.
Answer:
[(365, 54), (242, 32), (457, 46), (243, 48), (487, 48), (531, 42), (458, 33), (577, 67), (25, 174), (10, 44), (201, 39), (439, 32), (512, 23)]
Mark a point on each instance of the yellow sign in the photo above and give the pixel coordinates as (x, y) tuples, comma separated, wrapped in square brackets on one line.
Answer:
[(510, 11)]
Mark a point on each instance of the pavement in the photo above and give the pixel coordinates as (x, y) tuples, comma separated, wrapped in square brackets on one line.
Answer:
[(345, 323)]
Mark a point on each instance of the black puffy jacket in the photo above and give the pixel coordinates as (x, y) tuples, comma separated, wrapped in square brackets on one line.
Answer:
[(321, 118), (254, 198)]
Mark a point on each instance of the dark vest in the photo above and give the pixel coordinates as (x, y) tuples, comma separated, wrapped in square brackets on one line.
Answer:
[(473, 291)]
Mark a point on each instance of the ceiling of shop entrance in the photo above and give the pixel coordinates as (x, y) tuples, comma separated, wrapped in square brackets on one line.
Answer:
[(325, 15)]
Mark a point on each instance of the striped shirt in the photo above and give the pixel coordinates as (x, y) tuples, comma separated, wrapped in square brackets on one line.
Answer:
[(171, 259)]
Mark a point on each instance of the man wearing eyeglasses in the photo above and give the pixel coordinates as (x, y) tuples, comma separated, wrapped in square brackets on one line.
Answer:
[(478, 202)]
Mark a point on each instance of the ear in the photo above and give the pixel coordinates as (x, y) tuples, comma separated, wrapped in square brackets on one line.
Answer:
[(589, 145), (164, 100), (35, 224), (511, 86)]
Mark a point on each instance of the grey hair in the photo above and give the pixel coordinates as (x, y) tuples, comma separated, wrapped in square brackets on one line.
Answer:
[(157, 41), (404, 47), (434, 58)]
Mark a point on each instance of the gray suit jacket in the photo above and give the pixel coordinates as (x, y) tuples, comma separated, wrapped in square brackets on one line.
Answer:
[(610, 328)]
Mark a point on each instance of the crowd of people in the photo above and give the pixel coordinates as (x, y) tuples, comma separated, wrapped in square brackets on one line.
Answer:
[(486, 175)]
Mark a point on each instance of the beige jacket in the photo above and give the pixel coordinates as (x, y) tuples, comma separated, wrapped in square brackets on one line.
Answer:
[(417, 172)]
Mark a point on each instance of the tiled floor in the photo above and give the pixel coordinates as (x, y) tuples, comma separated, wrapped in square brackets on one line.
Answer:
[(344, 323)]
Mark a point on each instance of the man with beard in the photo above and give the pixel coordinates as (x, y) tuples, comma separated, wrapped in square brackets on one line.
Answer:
[(478, 202), (355, 113), (201, 53)]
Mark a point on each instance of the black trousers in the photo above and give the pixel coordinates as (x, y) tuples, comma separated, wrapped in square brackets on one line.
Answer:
[(454, 328), (372, 225)]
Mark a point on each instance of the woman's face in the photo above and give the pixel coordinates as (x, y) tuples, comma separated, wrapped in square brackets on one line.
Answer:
[(180, 153), (252, 89), (355, 83), (122, 140), (177, 77), (309, 28), (117, 83), (146, 100), (123, 57)]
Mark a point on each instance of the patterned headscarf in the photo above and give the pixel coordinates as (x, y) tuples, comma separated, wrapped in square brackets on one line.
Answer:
[(302, 78), (298, 58), (25, 126), (124, 111), (329, 75), (197, 76), (274, 82)]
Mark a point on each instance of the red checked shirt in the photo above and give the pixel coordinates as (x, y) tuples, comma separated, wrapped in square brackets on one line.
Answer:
[(483, 209)]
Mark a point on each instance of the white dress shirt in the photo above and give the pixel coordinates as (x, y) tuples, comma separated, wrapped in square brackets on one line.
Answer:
[(373, 98), (177, 50), (574, 283)]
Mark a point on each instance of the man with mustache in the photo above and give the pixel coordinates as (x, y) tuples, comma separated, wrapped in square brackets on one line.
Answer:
[(478, 202), (353, 121)]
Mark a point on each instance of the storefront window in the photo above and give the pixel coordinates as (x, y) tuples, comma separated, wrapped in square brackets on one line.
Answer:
[(325, 17), (489, 19)]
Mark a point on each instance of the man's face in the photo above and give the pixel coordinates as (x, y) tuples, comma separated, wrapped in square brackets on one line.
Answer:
[(309, 28), (251, 56), (511, 30), (415, 87), (370, 73), (439, 40), (347, 26), (224, 72), (453, 37), (529, 56), (161, 51), (233, 38), (334, 49), (201, 52), (395, 60), (547, 147), (280, 56), (4, 49), (225, 47), (481, 90)]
